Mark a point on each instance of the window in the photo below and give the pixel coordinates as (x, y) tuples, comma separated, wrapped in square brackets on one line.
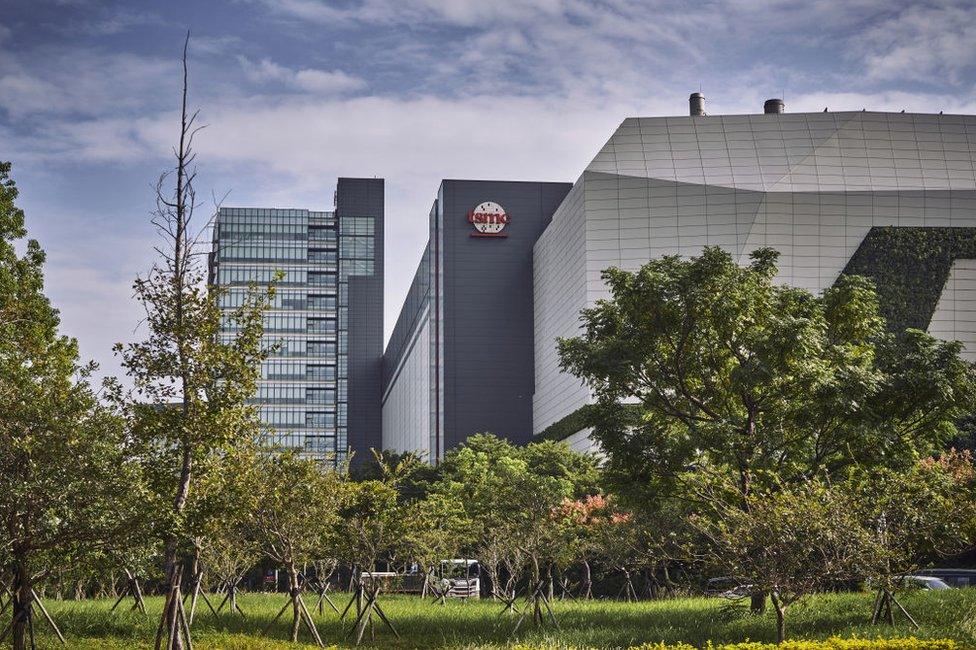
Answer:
[(320, 420), (320, 395), (321, 255), (322, 325), (322, 302), (283, 370), (320, 279), (320, 373), (321, 349), (319, 444), (280, 395), (318, 233)]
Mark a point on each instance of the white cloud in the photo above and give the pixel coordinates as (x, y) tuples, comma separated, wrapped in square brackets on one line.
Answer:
[(83, 82), (523, 90), (923, 43), (306, 79)]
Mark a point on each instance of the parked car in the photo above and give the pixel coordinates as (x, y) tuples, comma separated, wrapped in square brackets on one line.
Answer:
[(952, 577), (728, 587), (925, 583)]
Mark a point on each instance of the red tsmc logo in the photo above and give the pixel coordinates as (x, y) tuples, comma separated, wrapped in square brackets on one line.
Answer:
[(489, 220)]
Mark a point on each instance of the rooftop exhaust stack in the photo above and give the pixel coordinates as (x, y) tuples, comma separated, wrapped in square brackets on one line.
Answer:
[(773, 106), (697, 104)]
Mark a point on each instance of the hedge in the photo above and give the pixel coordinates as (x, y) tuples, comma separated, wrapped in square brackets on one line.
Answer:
[(833, 643)]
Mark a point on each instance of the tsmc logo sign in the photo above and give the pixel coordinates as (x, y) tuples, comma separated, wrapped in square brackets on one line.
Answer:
[(489, 220)]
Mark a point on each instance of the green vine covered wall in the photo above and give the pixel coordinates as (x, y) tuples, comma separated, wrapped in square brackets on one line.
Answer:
[(910, 266)]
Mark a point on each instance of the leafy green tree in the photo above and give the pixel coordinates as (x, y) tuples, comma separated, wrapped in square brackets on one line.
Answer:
[(296, 520), (908, 518), (68, 483), (372, 529), (192, 383), (767, 382), (789, 543), (704, 365), (513, 495), (437, 527)]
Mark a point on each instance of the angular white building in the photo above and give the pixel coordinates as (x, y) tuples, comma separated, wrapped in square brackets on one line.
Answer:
[(889, 195)]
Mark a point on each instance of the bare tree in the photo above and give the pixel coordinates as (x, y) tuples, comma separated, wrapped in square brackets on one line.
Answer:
[(192, 384)]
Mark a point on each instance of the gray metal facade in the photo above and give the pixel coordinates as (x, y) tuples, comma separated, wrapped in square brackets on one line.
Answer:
[(361, 200), (469, 317)]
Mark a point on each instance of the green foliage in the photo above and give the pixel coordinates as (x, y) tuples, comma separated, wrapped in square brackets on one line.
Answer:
[(581, 418), (904, 519), (514, 497), (790, 542), (909, 267), (297, 505), (768, 382), (68, 483), (371, 523)]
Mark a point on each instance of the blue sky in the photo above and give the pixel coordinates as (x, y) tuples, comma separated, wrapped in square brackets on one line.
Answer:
[(298, 92)]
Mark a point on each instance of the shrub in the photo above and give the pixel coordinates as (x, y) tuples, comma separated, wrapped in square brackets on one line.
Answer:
[(833, 643)]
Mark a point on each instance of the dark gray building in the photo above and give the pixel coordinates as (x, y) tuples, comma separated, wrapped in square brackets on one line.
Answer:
[(320, 392), (460, 359)]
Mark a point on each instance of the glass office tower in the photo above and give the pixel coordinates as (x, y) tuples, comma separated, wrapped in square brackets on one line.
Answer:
[(319, 391)]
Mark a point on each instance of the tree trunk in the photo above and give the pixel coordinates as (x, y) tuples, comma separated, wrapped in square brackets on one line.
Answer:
[(21, 624), (588, 591), (295, 591), (780, 618), (169, 626)]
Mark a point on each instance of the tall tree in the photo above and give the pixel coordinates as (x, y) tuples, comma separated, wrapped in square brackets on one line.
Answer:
[(192, 384), (68, 483), (702, 364)]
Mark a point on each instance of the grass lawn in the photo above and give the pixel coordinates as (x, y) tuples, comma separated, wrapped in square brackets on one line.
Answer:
[(603, 624)]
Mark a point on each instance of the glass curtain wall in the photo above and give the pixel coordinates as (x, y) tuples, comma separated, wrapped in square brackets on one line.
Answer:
[(300, 389)]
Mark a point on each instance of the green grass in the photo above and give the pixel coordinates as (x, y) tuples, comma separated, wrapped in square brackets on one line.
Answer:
[(602, 624)]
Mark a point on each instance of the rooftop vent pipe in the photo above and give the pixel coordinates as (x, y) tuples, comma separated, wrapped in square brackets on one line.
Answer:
[(773, 106), (697, 104)]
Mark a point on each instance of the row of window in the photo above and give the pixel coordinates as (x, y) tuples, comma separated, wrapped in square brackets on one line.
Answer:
[(321, 279), (354, 267), (236, 252), (281, 418), (279, 370), (282, 300), (263, 276), (322, 255), (273, 394), (297, 347), (290, 323), (260, 276), (356, 247), (320, 234)]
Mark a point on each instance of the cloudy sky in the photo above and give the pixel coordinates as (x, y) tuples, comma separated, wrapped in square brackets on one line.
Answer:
[(298, 92)]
